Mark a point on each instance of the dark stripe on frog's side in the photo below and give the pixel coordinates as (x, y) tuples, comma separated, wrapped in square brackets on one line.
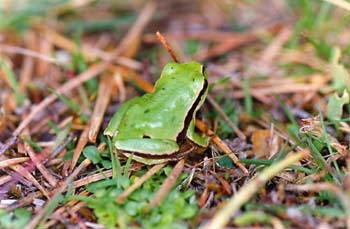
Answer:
[(188, 119)]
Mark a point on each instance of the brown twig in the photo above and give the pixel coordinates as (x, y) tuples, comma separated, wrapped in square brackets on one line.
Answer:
[(167, 46), (220, 144), (166, 186)]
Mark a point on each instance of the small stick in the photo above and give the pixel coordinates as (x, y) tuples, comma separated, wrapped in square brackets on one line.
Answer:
[(104, 95), (167, 46), (220, 144)]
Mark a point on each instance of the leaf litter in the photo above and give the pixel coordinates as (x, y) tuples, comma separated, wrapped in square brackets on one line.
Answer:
[(276, 113)]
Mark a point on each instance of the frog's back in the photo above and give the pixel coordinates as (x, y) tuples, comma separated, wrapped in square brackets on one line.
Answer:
[(162, 114)]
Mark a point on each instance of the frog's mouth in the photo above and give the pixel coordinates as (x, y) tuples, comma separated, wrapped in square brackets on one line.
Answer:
[(191, 112)]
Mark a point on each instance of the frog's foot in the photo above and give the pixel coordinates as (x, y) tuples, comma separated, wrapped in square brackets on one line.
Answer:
[(203, 141), (148, 146)]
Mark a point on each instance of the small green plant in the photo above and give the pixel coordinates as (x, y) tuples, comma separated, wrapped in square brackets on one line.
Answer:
[(172, 213), (16, 219)]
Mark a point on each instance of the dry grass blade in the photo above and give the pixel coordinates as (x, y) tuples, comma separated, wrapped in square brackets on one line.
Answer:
[(281, 89), (39, 165), (12, 161), (272, 51), (63, 186), (225, 185), (225, 46), (83, 140), (223, 215), (131, 41), (93, 178), (139, 182), (340, 3), (318, 187), (25, 201), (25, 173), (308, 59), (166, 186), (90, 73), (27, 52), (26, 73), (136, 78), (89, 52), (45, 48), (73, 205), (238, 83), (5, 179), (104, 95)]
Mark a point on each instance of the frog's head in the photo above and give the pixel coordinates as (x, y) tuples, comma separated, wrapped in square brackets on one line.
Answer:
[(193, 68)]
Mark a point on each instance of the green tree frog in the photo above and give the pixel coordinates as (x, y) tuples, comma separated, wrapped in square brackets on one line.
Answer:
[(154, 126)]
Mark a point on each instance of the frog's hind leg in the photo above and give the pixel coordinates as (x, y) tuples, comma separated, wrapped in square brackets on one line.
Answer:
[(147, 146)]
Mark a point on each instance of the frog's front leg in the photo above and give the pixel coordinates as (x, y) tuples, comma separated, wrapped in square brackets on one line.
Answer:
[(196, 138), (148, 146), (113, 125)]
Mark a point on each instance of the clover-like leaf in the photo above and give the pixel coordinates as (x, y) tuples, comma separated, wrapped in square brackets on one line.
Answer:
[(335, 105), (91, 152), (340, 76)]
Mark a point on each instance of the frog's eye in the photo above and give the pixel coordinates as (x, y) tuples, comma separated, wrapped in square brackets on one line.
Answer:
[(203, 70)]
